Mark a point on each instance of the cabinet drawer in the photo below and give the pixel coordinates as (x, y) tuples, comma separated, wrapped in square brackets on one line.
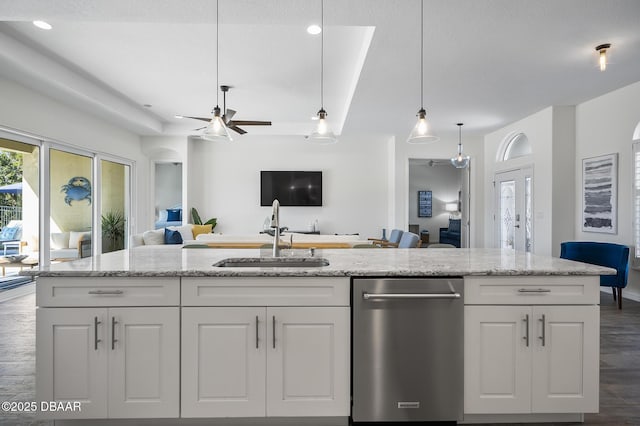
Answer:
[(547, 290), (107, 291), (265, 291)]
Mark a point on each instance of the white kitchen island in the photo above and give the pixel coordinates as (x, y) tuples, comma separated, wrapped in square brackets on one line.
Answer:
[(160, 333)]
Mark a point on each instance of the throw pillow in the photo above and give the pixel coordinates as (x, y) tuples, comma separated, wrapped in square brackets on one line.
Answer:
[(172, 237), (174, 215), (59, 240), (74, 238), (153, 238), (201, 229), (185, 231), (8, 233)]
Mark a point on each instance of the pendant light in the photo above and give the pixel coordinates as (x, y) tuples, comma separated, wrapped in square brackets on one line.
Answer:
[(217, 130), (322, 134), (420, 133), (602, 55), (460, 161)]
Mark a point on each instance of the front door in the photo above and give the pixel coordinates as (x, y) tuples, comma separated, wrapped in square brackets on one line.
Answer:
[(513, 209)]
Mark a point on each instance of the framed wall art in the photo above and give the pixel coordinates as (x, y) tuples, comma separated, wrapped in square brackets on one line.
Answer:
[(425, 204), (600, 194)]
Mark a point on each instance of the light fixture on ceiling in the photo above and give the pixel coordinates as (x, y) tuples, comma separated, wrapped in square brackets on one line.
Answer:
[(420, 133), (322, 133), (314, 29), (602, 58), (216, 130), (460, 161), (42, 25)]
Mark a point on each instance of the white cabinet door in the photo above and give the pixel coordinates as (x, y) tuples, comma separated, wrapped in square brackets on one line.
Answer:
[(565, 364), (71, 360), (223, 362), (308, 361), (497, 359), (144, 362)]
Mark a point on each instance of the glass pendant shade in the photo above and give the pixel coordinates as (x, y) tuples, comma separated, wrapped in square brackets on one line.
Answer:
[(322, 134), (420, 132), (460, 161), (216, 130)]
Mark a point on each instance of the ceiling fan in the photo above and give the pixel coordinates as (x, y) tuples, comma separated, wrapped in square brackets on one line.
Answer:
[(228, 115)]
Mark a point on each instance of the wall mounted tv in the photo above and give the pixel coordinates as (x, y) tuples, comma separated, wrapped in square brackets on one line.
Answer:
[(291, 188)]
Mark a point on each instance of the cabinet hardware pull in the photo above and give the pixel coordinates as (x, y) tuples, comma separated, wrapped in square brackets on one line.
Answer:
[(256, 332), (113, 333), (534, 290), (367, 296), (526, 322), (103, 292), (273, 325), (95, 333), (544, 336)]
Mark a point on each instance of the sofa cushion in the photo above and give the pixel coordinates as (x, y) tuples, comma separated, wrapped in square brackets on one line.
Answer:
[(201, 229), (60, 240), (154, 237), (74, 238), (172, 237)]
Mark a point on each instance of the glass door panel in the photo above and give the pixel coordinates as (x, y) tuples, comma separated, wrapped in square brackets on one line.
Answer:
[(114, 205), (514, 209), (71, 196)]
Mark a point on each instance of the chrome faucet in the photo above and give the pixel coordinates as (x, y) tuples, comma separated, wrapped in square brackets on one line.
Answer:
[(275, 223)]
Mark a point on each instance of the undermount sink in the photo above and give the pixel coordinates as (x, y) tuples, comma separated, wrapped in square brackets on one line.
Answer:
[(272, 262)]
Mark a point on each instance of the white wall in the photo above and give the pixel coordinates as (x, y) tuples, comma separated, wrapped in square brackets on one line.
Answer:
[(355, 182), (444, 182), (27, 111), (605, 125), (444, 148)]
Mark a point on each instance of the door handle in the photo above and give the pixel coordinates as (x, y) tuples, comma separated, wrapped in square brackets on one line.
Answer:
[(526, 335), (367, 296), (113, 333), (273, 325), (95, 333), (544, 336), (105, 292), (256, 332), (534, 290)]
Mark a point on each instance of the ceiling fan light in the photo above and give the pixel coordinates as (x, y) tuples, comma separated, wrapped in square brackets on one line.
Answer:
[(420, 133), (602, 57), (216, 130)]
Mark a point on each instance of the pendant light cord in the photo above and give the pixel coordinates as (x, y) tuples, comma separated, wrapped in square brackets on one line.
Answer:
[(322, 54), (421, 54), (217, 54)]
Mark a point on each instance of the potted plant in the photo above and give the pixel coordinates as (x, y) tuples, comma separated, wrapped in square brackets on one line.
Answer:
[(113, 230), (195, 218)]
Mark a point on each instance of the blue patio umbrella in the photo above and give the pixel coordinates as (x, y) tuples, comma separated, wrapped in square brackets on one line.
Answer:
[(12, 188)]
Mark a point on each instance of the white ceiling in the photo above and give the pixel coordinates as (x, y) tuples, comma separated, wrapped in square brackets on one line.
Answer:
[(487, 62)]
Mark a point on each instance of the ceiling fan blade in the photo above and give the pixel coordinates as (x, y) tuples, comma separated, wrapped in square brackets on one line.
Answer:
[(228, 115), (250, 123), (199, 128), (237, 129), (197, 118)]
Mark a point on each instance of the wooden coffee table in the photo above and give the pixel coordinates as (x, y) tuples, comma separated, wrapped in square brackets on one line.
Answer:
[(5, 263)]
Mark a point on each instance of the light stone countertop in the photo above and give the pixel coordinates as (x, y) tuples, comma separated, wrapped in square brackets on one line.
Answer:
[(173, 261)]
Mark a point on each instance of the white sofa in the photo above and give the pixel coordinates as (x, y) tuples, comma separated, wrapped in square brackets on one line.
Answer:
[(70, 245), (287, 238)]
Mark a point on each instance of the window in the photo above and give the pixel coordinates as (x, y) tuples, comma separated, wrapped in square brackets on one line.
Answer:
[(517, 146), (636, 196)]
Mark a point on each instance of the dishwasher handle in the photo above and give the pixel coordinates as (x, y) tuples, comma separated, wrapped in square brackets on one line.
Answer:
[(369, 296)]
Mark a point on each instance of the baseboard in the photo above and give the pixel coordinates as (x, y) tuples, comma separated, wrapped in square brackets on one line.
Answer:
[(629, 294)]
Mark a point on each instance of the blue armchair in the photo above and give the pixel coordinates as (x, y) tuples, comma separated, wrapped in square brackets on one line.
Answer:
[(603, 254), (451, 235)]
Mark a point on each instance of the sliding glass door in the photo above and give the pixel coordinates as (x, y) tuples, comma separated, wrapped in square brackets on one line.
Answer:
[(114, 205)]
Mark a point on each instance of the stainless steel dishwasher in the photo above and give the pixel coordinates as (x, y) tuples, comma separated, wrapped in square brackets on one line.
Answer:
[(407, 349)]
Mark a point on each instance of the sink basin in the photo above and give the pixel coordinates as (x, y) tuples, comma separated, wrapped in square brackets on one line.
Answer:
[(272, 262)]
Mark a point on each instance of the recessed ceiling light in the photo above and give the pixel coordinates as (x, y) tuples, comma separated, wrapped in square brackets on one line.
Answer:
[(42, 25), (314, 29), (179, 116)]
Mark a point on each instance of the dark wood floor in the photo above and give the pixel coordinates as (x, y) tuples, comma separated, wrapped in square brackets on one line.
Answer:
[(619, 361)]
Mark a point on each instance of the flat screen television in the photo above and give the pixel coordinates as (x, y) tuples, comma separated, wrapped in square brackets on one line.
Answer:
[(291, 188)]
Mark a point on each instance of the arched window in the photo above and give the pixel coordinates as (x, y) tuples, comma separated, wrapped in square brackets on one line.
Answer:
[(517, 146)]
